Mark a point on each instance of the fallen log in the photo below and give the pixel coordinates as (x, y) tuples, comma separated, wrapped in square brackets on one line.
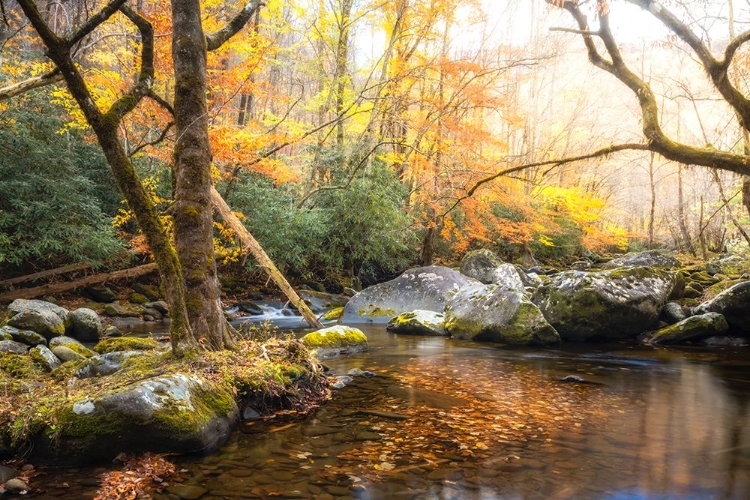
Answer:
[(45, 274), (28, 293), (262, 257)]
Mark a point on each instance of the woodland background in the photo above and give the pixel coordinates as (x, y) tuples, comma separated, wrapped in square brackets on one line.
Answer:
[(358, 137)]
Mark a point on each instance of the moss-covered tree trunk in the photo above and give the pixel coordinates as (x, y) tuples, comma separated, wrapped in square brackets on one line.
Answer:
[(193, 219)]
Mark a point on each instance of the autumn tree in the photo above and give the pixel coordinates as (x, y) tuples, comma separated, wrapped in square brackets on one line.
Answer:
[(187, 267)]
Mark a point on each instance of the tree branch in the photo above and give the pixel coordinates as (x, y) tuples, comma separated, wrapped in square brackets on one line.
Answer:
[(94, 21), (159, 139), (219, 38), (19, 88)]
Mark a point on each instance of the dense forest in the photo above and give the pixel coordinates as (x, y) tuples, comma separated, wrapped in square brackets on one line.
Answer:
[(356, 138)]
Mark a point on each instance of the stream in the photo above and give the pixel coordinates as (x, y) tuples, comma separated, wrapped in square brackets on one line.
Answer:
[(437, 418)]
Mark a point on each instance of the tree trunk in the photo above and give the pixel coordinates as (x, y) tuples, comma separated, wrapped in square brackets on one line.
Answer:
[(193, 220), (681, 214), (652, 212), (263, 259)]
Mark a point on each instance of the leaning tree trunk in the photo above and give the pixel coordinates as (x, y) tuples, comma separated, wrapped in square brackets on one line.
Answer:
[(193, 221)]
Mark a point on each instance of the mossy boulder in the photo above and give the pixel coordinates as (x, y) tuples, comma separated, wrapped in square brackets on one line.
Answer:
[(85, 325), (20, 305), (419, 323), (137, 298), (41, 321), (425, 288), (27, 337), (178, 412), (734, 304), (100, 293), (44, 358), (335, 341), (118, 310), (151, 292), (125, 344), (485, 266), (693, 328), (611, 304), (494, 314), (650, 258), (320, 301), (731, 265), (105, 364), (333, 314), (13, 347), (65, 354)]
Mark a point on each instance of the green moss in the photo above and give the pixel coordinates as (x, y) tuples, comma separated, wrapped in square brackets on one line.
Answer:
[(336, 336), (377, 311), (334, 314), (191, 212), (125, 344), (81, 349), (19, 366)]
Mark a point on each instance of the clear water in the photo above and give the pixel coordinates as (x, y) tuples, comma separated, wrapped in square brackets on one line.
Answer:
[(445, 419)]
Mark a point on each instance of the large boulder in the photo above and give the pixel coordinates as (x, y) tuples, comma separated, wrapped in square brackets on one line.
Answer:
[(693, 328), (85, 325), (335, 341), (613, 304), (175, 412), (426, 288), (418, 323), (42, 321), (485, 266), (734, 304), (20, 305), (650, 258), (27, 337), (494, 314)]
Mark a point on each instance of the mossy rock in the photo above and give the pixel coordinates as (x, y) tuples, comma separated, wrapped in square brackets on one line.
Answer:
[(151, 292), (703, 278), (419, 323), (125, 344), (693, 291), (334, 314), (336, 341), (138, 298), (691, 329), (19, 366)]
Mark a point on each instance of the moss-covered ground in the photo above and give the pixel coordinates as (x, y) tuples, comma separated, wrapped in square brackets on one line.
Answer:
[(279, 373)]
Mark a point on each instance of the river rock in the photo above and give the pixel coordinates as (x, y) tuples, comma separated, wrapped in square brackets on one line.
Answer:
[(17, 486), (612, 304), (106, 364), (65, 354), (730, 265), (13, 347), (673, 313), (176, 412), (118, 310), (322, 301), (336, 341), (27, 337), (485, 266), (650, 258), (149, 291), (100, 293), (494, 314), (20, 305), (44, 357), (418, 322), (42, 321), (425, 288), (159, 305), (734, 304), (86, 325), (692, 328)]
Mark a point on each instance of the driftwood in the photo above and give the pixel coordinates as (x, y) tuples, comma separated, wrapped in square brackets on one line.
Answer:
[(263, 259), (28, 293), (44, 274)]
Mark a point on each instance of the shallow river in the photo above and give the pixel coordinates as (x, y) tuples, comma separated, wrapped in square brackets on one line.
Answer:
[(445, 419)]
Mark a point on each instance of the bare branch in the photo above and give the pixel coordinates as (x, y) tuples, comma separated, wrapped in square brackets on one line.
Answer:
[(732, 48), (156, 141), (19, 88), (219, 38), (576, 32), (94, 21), (555, 163)]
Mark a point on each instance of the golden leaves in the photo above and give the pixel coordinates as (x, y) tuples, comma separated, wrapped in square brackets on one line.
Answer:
[(139, 475)]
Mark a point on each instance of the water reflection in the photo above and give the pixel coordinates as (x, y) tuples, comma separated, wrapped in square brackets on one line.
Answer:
[(652, 424)]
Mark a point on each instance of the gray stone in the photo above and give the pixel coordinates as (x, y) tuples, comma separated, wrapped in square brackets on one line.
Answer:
[(44, 357), (7, 473), (613, 304), (418, 323), (426, 288), (106, 364), (483, 265), (63, 340), (86, 325), (159, 305), (44, 322), (650, 258), (117, 310), (100, 293), (673, 313), (734, 304), (13, 347), (5, 333), (250, 308), (20, 305), (153, 313), (492, 313), (16, 486), (27, 337), (65, 354), (112, 331), (693, 328)]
